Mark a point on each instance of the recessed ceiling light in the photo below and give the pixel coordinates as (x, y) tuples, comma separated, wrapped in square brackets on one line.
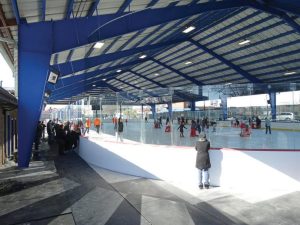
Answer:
[(188, 62), (244, 42), (119, 71), (143, 56), (156, 74), (98, 45), (189, 29), (290, 73), (104, 79), (94, 85)]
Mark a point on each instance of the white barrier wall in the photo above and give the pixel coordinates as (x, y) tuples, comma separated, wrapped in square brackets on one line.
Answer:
[(230, 168)]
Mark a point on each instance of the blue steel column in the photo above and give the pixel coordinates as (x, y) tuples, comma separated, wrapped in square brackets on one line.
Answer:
[(224, 107), (272, 97), (35, 48), (170, 109), (153, 110), (193, 106)]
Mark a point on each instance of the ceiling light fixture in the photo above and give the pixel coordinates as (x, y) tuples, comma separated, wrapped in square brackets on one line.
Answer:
[(98, 45), (244, 42), (156, 74), (104, 79), (289, 73), (189, 29), (119, 71), (143, 56), (94, 85), (188, 62)]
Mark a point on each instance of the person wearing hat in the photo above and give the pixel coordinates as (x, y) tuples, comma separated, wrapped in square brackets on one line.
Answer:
[(203, 161)]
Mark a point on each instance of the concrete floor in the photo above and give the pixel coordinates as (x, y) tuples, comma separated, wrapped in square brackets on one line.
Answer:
[(224, 137), (66, 190)]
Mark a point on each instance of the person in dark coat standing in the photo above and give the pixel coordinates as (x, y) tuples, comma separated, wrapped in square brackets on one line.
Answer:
[(203, 161), (120, 130)]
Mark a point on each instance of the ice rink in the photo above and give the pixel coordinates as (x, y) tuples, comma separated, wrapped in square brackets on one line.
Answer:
[(224, 137)]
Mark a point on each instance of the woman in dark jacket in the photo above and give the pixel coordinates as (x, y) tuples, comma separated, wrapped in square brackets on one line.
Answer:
[(203, 161)]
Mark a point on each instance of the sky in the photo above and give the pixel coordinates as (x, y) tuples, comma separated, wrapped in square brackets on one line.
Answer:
[(6, 74)]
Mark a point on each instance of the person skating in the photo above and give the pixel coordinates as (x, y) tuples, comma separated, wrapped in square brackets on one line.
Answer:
[(180, 128)]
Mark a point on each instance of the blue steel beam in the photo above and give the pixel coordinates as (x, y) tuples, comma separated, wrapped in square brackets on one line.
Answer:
[(292, 6), (135, 87), (158, 16), (69, 9), (125, 4), (227, 62), (181, 95), (43, 10), (66, 35), (191, 79), (16, 10), (79, 65), (93, 74), (93, 7), (277, 12)]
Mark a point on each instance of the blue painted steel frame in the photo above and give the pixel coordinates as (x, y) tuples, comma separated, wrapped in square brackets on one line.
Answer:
[(69, 9), (93, 7), (228, 63), (16, 10), (81, 64), (43, 10), (33, 72)]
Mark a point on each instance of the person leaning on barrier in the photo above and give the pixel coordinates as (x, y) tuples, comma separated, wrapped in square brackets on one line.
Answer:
[(203, 161)]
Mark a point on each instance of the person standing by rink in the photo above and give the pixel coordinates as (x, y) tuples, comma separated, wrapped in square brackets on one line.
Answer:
[(97, 123), (203, 160), (120, 130), (87, 125), (268, 125)]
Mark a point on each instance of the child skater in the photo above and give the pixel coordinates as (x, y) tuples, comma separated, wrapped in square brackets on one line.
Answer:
[(180, 128)]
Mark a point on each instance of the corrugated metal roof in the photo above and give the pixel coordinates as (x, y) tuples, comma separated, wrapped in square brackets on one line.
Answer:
[(273, 49)]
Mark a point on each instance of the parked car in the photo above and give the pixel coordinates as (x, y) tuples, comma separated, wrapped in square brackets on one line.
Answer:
[(285, 116)]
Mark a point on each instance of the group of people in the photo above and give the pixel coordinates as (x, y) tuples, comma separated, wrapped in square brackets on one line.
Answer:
[(65, 135), (199, 125)]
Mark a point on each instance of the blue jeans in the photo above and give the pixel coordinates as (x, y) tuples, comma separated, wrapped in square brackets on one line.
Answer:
[(203, 176), (268, 128)]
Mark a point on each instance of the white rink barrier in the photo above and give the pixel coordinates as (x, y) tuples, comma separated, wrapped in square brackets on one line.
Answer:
[(230, 167)]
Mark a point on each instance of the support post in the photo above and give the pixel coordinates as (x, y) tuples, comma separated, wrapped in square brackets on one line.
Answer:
[(153, 110), (170, 110), (224, 107), (272, 97), (35, 48), (193, 106)]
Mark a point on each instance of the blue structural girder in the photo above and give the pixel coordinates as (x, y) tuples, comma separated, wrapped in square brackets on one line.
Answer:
[(224, 107), (43, 10), (279, 13), (227, 62), (93, 7), (194, 81), (291, 6), (136, 87), (153, 110), (170, 110), (69, 9), (33, 67), (272, 97), (125, 4), (193, 106), (81, 64), (68, 34), (148, 79), (16, 10)]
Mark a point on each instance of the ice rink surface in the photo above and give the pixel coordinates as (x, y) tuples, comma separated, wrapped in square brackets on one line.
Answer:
[(224, 137)]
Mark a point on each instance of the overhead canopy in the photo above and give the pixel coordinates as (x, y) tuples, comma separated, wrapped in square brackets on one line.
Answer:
[(213, 53)]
